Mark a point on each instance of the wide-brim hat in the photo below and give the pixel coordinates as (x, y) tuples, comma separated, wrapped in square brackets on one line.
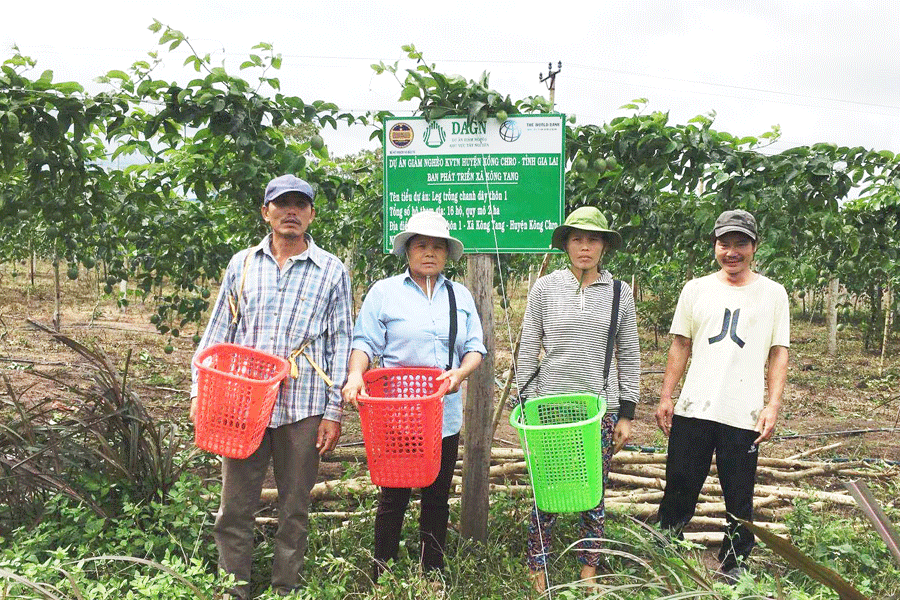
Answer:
[(432, 224), (587, 218)]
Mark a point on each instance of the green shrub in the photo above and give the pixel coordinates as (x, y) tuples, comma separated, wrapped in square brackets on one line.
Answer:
[(848, 546)]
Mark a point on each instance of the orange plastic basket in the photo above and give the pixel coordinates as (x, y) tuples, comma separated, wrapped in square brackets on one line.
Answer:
[(237, 389), (401, 422)]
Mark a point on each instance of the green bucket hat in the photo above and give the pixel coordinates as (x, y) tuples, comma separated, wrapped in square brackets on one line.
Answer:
[(587, 218)]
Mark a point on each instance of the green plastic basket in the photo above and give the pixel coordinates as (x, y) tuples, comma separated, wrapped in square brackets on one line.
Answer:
[(561, 436)]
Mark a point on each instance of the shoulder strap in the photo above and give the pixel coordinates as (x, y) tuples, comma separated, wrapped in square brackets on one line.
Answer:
[(613, 324), (234, 299), (453, 324), (530, 379)]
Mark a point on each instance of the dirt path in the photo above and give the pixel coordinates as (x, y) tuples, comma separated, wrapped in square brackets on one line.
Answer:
[(823, 395)]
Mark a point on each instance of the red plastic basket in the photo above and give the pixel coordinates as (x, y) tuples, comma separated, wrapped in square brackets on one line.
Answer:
[(401, 422), (237, 389)]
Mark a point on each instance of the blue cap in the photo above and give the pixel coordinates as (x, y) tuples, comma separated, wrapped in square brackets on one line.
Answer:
[(287, 183)]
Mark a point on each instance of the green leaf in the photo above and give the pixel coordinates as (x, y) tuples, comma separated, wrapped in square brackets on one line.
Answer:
[(700, 119), (474, 108), (69, 87), (65, 121), (591, 178), (12, 122), (200, 190), (409, 92), (263, 149), (439, 112)]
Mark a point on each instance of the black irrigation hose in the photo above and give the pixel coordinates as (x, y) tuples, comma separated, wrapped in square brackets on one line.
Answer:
[(797, 436), (882, 461), (794, 436)]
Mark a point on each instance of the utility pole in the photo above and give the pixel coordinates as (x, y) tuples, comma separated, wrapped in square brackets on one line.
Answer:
[(551, 77)]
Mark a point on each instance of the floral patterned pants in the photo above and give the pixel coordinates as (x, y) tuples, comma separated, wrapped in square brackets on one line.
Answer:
[(593, 521)]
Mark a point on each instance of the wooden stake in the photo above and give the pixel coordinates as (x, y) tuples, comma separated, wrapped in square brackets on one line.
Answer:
[(507, 385), (479, 406), (887, 327), (812, 451)]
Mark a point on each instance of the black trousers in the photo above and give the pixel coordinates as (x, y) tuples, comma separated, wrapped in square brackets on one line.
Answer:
[(691, 446), (392, 503)]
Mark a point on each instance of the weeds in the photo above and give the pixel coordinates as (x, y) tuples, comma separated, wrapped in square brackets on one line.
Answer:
[(159, 550), (103, 433)]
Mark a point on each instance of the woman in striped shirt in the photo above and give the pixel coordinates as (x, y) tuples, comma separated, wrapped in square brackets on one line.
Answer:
[(568, 315)]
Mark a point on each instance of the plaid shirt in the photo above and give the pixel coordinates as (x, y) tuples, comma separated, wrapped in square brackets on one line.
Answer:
[(307, 299)]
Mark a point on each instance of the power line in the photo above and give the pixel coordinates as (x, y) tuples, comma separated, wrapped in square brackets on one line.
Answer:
[(736, 97), (735, 87)]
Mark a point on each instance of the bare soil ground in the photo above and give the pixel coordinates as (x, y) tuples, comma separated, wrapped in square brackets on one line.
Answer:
[(824, 394)]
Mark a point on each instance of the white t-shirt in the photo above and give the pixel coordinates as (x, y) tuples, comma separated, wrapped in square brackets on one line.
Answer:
[(731, 330)]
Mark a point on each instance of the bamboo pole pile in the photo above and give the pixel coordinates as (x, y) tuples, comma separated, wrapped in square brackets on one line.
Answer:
[(636, 485)]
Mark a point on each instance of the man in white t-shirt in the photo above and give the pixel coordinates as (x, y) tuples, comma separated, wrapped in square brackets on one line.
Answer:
[(730, 324)]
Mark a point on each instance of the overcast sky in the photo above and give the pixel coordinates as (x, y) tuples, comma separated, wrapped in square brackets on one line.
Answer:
[(825, 71)]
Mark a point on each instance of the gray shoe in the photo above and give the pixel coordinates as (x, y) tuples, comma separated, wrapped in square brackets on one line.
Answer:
[(733, 575)]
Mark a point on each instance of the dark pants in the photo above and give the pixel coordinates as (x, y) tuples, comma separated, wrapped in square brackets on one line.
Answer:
[(691, 446), (433, 520), (292, 449)]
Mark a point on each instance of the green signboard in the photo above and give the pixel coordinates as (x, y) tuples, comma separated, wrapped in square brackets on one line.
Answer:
[(500, 185)]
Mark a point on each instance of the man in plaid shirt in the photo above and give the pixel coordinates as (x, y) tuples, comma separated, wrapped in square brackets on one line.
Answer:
[(292, 299)]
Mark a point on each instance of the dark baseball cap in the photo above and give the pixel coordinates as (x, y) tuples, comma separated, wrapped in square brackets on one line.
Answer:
[(287, 183), (735, 220)]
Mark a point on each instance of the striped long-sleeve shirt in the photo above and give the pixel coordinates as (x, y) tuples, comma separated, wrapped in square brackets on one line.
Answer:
[(281, 308), (571, 324)]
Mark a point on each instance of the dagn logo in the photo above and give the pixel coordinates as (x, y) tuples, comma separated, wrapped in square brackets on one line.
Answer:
[(434, 135)]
